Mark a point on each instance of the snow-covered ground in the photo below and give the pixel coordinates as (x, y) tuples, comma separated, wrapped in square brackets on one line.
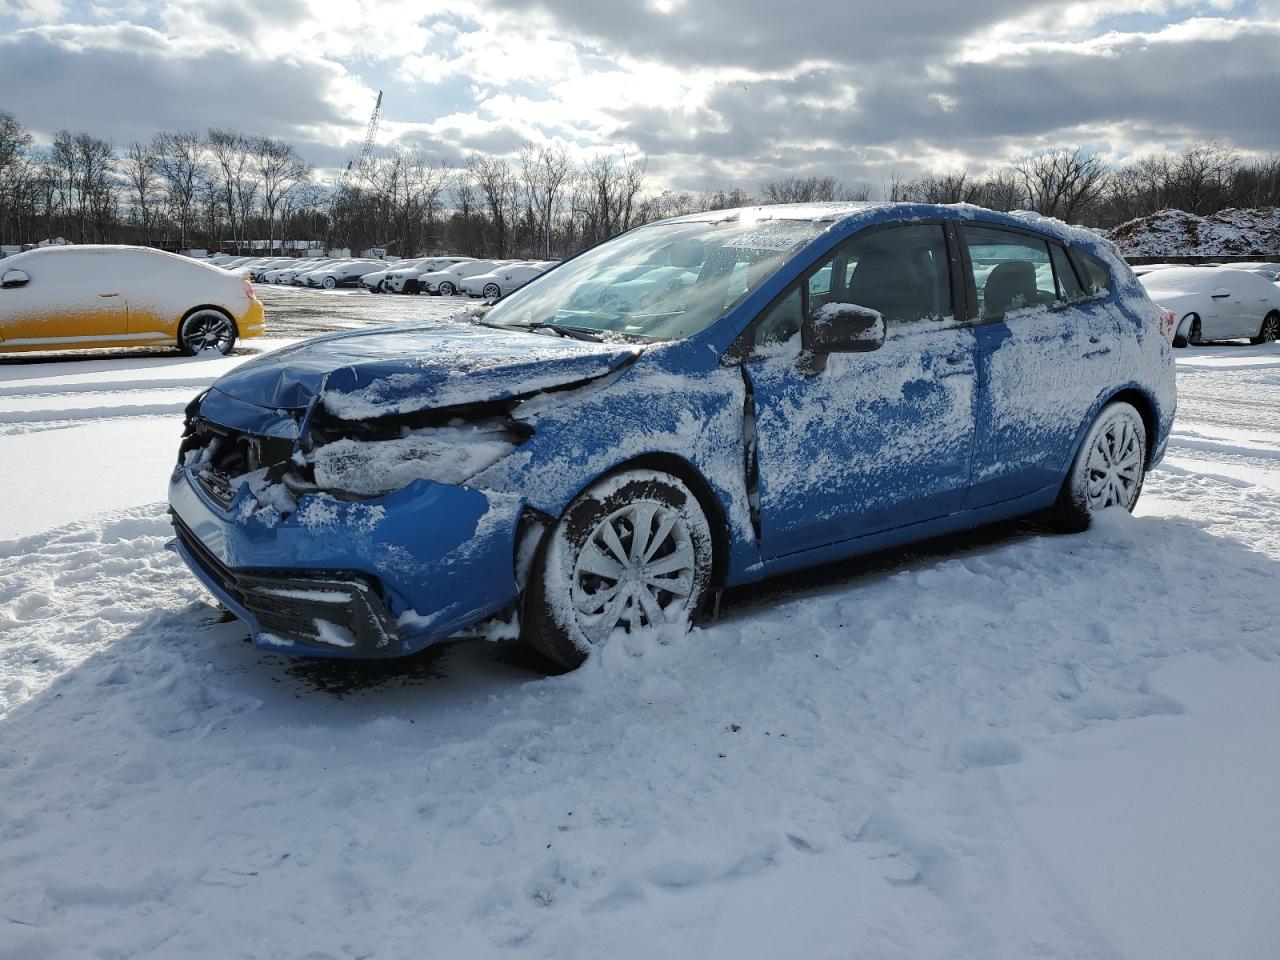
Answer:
[(1007, 745)]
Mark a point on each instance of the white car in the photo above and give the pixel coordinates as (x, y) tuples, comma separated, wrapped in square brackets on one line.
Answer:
[(375, 282), (287, 274), (244, 268), (260, 270), (405, 279), (447, 282), (1268, 271), (501, 280), (301, 275), (1142, 269), (343, 274), (1217, 303)]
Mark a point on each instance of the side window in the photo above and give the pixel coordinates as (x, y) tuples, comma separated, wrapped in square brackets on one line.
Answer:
[(901, 272), (1097, 276), (781, 321), (1069, 286), (1011, 271)]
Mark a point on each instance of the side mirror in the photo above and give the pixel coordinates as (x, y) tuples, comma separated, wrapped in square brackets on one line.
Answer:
[(1221, 293), (839, 328), (13, 278)]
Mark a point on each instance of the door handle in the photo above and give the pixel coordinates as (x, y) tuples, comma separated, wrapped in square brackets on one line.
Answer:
[(108, 294)]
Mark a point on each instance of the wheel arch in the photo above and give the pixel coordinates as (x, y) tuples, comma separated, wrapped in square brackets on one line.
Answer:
[(691, 477), (1140, 400)]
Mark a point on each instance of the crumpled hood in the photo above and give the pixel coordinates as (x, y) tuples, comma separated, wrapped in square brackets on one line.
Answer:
[(403, 369)]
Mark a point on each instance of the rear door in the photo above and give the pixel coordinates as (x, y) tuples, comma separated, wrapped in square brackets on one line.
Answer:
[(1046, 348), (875, 440)]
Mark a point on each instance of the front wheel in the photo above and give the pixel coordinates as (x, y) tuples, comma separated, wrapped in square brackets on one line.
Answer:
[(445, 289), (1270, 330), (1108, 470), (491, 291), (632, 553), (206, 330), (329, 283)]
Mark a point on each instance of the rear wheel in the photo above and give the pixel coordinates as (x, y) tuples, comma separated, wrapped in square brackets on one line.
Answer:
[(206, 330), (1270, 330), (634, 552), (1108, 470)]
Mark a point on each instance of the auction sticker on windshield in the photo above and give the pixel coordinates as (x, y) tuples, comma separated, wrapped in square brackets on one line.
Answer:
[(767, 241)]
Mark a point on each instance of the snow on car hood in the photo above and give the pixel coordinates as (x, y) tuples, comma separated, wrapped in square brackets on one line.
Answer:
[(425, 366)]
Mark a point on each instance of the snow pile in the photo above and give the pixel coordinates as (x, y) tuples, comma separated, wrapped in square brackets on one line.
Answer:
[(1176, 233)]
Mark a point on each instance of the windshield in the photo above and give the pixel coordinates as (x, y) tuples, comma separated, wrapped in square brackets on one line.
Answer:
[(661, 282)]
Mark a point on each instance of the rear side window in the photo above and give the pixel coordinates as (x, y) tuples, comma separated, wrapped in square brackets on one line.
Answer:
[(1069, 286), (1011, 271), (1097, 276)]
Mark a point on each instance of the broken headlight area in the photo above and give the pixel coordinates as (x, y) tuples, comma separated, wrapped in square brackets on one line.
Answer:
[(349, 460)]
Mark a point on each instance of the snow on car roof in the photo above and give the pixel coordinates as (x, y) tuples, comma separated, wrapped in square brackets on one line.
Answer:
[(835, 212)]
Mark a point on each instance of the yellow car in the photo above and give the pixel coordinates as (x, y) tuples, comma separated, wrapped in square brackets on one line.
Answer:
[(73, 297)]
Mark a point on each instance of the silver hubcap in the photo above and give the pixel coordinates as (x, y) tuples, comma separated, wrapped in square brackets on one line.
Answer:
[(635, 570), (1271, 329), (1115, 466), (491, 291), (207, 331)]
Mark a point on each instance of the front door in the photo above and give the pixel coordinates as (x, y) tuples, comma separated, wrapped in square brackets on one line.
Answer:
[(72, 296), (875, 440)]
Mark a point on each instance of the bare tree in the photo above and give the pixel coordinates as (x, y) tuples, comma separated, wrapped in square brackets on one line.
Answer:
[(544, 169), (1062, 183), (180, 163), (15, 173), (279, 171), (496, 183)]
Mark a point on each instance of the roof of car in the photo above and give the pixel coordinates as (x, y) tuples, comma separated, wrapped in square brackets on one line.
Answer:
[(872, 210)]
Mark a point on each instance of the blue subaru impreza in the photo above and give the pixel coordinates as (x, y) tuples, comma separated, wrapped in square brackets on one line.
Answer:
[(696, 404)]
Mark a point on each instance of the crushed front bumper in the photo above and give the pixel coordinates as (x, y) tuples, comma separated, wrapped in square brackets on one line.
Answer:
[(357, 579)]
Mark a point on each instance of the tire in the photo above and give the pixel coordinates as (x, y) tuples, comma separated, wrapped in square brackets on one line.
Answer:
[(491, 291), (581, 589), (1269, 332), (1108, 469), (410, 286), (445, 289), (329, 283), (204, 330), (1193, 335), (1192, 328)]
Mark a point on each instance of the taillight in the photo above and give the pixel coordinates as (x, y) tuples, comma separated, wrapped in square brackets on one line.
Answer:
[(1168, 324), (248, 289)]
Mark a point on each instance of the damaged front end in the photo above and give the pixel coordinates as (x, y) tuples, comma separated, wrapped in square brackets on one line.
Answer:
[(348, 538)]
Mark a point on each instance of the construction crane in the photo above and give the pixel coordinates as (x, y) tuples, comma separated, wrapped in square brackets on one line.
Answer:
[(360, 165)]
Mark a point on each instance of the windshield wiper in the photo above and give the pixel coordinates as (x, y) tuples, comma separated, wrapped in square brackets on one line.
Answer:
[(574, 333)]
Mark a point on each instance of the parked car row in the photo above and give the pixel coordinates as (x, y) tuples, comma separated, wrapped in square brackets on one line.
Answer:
[(1219, 302), (441, 276)]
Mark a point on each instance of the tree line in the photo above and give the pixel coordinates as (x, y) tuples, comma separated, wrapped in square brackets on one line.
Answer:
[(218, 188)]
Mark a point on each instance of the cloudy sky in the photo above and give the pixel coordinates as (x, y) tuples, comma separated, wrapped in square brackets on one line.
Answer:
[(713, 92)]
